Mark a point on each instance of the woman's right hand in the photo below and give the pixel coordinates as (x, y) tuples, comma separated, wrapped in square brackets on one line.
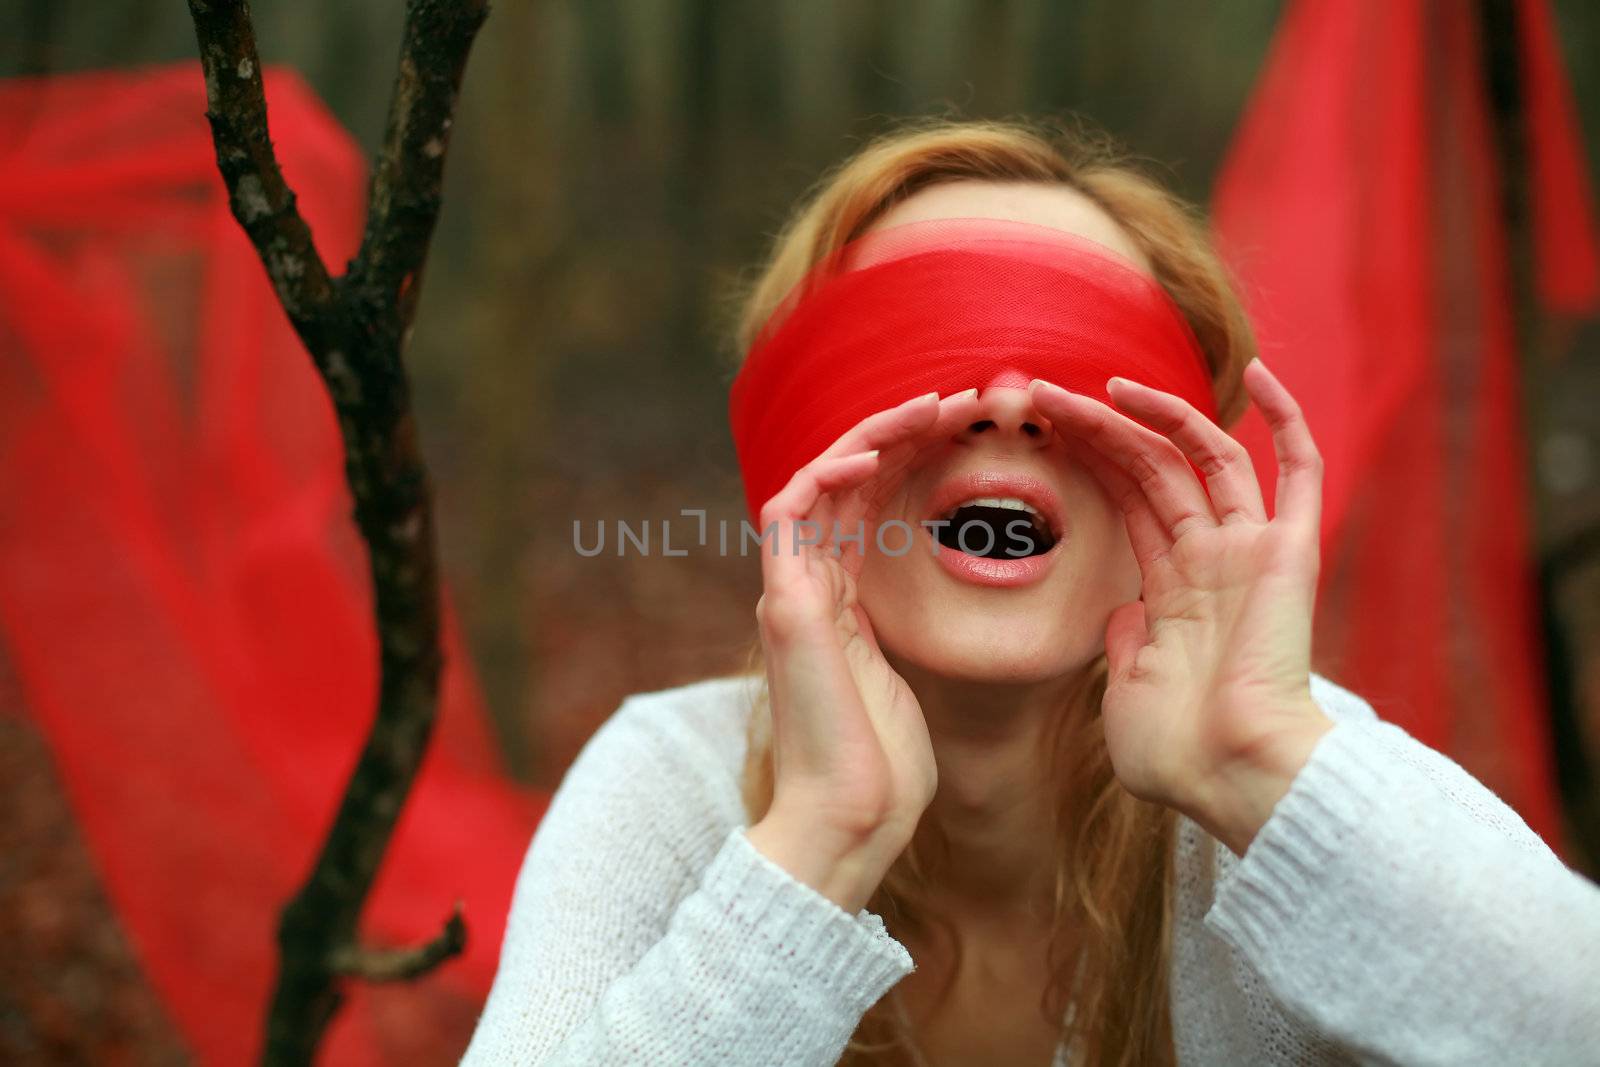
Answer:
[(853, 764)]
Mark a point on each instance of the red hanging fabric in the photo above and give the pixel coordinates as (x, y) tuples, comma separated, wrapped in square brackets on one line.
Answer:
[(182, 592), (1566, 253), (1360, 206)]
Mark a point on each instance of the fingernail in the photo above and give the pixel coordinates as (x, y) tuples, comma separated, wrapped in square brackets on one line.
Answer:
[(873, 453), (926, 396), (969, 393)]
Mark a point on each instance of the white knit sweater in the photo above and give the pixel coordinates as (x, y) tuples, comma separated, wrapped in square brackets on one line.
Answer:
[(1391, 910)]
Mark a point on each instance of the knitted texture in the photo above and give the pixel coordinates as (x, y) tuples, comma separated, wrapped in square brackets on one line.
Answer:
[(1392, 909)]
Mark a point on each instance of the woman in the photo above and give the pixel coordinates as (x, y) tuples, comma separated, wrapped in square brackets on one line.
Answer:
[(1068, 793)]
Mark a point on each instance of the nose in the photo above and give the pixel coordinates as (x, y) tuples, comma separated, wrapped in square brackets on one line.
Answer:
[(1006, 415)]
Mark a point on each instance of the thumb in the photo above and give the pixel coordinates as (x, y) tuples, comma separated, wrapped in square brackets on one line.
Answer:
[(1125, 636)]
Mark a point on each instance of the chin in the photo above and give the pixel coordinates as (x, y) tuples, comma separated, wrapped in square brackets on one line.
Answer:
[(929, 621), (988, 644)]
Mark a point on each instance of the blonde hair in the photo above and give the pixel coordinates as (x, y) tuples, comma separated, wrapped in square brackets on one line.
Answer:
[(1110, 935)]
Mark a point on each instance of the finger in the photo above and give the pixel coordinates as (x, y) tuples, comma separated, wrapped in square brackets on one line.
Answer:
[(1299, 493), (887, 428), (1145, 532), (903, 435), (1230, 478), (797, 499), (795, 503), (1175, 494), (955, 413), (836, 480)]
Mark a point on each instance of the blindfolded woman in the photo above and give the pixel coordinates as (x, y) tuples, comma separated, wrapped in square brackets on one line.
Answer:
[(1036, 769)]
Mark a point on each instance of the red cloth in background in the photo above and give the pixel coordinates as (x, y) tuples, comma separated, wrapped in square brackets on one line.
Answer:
[(1360, 205), (183, 594)]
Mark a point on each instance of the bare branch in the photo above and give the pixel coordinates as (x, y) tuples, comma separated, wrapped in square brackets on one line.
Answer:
[(261, 200), (355, 329), (405, 198), (403, 964)]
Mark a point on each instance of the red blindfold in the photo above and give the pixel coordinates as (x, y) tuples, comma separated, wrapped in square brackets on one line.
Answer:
[(947, 305)]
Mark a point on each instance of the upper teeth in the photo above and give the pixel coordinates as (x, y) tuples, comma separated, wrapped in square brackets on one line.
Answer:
[(1009, 502)]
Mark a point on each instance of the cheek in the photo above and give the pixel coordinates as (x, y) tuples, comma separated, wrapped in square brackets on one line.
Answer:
[(1104, 557), (898, 586)]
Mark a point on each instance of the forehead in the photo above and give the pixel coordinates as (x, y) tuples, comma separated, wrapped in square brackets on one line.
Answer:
[(1041, 203)]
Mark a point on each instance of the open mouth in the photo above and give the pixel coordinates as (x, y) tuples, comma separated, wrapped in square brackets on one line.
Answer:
[(996, 527)]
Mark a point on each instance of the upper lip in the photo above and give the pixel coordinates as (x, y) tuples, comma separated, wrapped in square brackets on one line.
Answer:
[(1036, 493)]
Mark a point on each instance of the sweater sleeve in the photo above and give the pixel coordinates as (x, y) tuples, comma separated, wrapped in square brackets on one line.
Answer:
[(624, 946), (1395, 905)]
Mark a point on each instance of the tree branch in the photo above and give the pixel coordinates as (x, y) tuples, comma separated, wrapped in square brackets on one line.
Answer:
[(355, 328), (261, 200), (403, 964), (406, 183)]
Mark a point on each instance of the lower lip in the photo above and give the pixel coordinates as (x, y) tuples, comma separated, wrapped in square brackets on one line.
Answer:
[(1001, 573)]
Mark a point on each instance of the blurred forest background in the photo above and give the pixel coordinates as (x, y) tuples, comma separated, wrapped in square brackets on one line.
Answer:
[(615, 165)]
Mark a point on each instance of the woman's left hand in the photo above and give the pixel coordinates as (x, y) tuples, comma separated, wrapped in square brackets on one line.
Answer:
[(1208, 705)]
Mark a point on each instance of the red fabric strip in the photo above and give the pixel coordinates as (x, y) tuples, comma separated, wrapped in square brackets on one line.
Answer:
[(944, 306)]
